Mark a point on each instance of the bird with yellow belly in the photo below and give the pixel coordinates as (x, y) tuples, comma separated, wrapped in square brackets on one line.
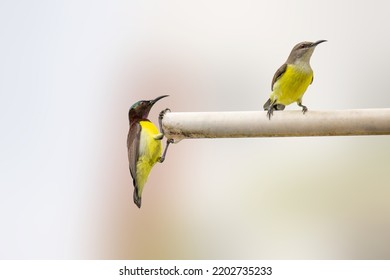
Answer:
[(292, 79), (143, 145)]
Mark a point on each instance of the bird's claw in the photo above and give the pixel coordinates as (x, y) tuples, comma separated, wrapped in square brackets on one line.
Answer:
[(162, 158), (163, 112), (304, 108), (270, 112), (160, 118)]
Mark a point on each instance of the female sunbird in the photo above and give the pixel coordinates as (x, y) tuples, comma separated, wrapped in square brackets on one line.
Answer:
[(292, 79), (143, 144)]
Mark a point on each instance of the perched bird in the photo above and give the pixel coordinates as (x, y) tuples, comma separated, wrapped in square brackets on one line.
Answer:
[(143, 144), (292, 78)]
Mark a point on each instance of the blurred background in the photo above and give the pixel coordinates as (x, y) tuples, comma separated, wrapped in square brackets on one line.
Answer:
[(69, 72)]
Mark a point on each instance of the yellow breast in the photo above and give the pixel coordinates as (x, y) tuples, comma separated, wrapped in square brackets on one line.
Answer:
[(292, 84), (150, 151)]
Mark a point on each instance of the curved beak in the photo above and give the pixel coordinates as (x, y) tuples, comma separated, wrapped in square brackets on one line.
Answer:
[(317, 43), (157, 99)]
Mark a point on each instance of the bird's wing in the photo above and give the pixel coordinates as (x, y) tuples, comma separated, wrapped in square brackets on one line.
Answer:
[(278, 74), (133, 139)]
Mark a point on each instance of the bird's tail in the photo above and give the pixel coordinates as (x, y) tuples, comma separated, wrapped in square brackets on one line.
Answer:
[(267, 104), (136, 197), (276, 107)]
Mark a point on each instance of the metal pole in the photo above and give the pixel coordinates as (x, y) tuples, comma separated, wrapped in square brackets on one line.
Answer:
[(179, 126)]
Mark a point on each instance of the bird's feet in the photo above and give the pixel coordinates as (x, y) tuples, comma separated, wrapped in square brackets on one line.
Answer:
[(163, 112), (162, 158), (160, 118), (270, 112), (304, 108), (169, 141)]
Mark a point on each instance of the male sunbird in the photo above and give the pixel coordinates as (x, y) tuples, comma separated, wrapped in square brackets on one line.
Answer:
[(143, 144), (292, 79)]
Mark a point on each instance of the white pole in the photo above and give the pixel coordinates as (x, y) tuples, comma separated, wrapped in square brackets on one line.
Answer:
[(179, 126)]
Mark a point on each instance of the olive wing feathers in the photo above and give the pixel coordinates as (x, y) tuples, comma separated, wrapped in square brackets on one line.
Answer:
[(278, 74)]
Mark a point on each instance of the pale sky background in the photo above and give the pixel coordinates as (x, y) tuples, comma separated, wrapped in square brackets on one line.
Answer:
[(70, 70)]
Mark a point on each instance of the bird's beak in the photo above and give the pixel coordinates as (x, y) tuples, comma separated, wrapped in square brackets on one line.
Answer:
[(157, 99), (317, 43)]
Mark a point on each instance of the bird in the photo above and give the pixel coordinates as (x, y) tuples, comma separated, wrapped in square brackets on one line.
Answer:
[(144, 144), (292, 79)]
